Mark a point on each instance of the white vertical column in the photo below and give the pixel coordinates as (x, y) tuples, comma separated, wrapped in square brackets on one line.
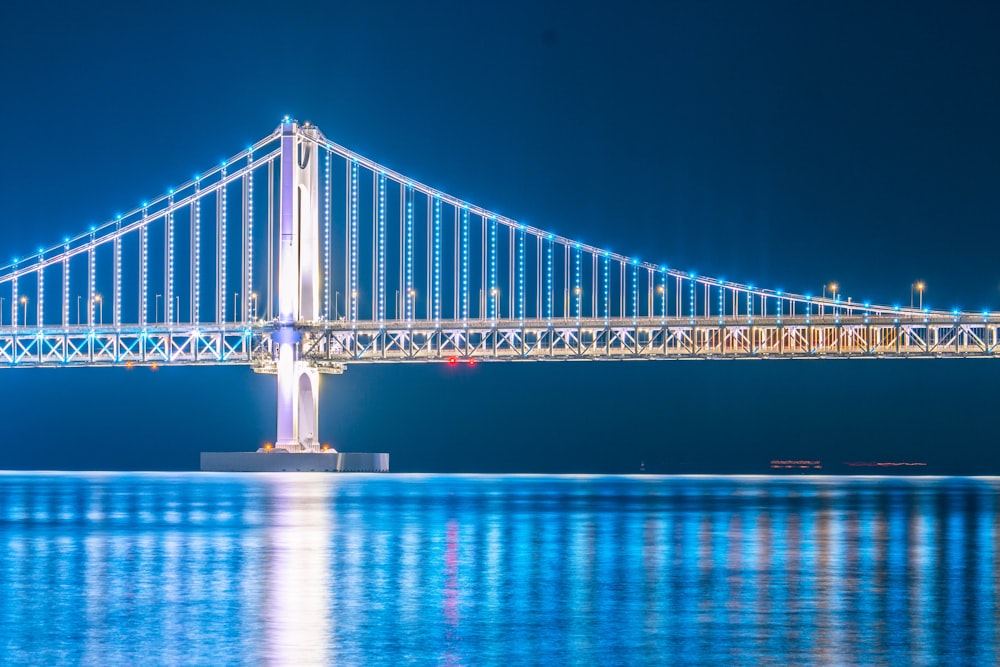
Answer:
[(117, 315), (168, 284), (14, 304), (381, 248), (221, 296), (39, 313), (465, 263), (91, 280), (299, 281), (249, 299), (143, 270), (65, 294), (196, 255), (288, 273)]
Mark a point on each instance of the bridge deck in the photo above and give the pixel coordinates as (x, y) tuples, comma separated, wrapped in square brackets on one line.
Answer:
[(331, 344)]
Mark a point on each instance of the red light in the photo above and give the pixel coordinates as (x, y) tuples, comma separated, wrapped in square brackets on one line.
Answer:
[(452, 360), (472, 362)]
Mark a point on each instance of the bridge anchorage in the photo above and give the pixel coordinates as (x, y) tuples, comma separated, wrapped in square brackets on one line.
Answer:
[(299, 257)]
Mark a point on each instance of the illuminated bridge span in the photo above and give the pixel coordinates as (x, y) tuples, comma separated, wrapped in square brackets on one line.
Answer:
[(297, 256)]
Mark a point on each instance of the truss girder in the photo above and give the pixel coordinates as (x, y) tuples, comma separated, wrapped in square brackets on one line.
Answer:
[(529, 340), (108, 347)]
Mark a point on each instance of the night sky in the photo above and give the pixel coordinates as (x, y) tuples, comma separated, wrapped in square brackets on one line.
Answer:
[(781, 144)]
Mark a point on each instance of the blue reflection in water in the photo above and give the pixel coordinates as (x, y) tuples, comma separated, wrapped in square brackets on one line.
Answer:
[(361, 570)]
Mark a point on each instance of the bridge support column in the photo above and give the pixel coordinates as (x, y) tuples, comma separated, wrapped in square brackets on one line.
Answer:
[(299, 283)]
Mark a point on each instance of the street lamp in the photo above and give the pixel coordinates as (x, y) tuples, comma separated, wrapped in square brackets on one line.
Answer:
[(24, 302), (78, 309), (156, 310), (100, 306), (920, 286), (235, 295), (253, 305), (833, 292)]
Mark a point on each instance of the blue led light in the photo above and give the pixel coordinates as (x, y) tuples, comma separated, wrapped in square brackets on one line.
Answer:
[(465, 262), (352, 314), (520, 274), (437, 259), (381, 247), (494, 290), (548, 279), (409, 296)]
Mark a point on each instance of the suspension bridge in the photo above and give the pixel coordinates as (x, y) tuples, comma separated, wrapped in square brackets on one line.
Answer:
[(298, 256)]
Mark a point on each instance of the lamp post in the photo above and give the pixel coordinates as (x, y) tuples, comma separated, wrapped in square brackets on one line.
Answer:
[(78, 309), (100, 307), (24, 302), (235, 296), (833, 292), (397, 305), (156, 310), (253, 305), (1, 311), (920, 286)]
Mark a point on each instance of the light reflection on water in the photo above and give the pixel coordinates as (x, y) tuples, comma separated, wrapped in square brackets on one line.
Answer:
[(467, 570)]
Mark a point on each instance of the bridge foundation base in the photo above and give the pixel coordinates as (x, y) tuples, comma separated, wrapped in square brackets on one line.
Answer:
[(280, 461)]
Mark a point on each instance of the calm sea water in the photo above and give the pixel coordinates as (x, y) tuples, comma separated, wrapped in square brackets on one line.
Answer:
[(186, 569)]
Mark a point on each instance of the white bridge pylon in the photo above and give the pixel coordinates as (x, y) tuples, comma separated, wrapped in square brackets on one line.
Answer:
[(299, 285)]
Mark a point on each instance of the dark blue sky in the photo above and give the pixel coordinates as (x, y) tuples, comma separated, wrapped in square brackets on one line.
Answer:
[(783, 144)]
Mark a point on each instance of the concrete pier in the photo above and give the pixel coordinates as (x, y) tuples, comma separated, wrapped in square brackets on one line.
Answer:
[(281, 461)]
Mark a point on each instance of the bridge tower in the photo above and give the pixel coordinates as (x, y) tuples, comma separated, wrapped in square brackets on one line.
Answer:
[(299, 283)]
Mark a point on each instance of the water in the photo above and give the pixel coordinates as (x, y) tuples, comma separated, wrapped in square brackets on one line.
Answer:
[(125, 569)]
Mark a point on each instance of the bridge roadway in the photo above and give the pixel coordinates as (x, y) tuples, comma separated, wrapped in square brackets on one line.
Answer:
[(330, 345)]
